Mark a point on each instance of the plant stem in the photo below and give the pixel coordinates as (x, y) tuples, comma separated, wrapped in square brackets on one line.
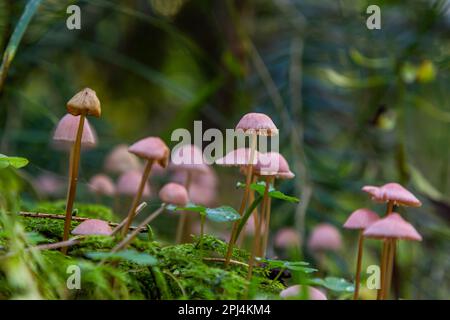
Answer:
[(248, 180), (137, 197), (180, 236), (358, 264), (278, 275), (267, 220), (74, 165), (202, 226), (125, 242), (256, 239)]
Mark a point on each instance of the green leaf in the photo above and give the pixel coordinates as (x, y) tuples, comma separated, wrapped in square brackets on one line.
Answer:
[(131, 255), (222, 214), (16, 162), (273, 193), (189, 207), (300, 266), (335, 284)]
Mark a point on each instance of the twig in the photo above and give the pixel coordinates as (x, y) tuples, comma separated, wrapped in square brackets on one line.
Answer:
[(240, 263), (62, 217), (121, 224)]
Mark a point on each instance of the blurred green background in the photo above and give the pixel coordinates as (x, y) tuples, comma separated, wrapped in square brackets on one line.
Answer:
[(354, 106)]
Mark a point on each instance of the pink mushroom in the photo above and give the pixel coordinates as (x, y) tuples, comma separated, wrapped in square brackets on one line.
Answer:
[(294, 292), (325, 237), (66, 132), (174, 193), (360, 219), (128, 184), (119, 160), (287, 238), (392, 192), (101, 184), (92, 227)]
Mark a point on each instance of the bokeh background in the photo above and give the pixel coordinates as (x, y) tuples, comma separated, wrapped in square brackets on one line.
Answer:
[(354, 106)]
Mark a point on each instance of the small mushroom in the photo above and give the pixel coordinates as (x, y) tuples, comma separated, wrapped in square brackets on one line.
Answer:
[(391, 228), (394, 194), (174, 193), (119, 160), (65, 133), (93, 227), (325, 237), (128, 184), (293, 292), (102, 185), (287, 238), (152, 149), (48, 184), (82, 104), (360, 220)]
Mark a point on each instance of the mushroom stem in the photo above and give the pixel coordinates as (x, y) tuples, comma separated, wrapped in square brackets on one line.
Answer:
[(73, 174), (267, 220), (240, 240), (390, 264), (183, 221), (389, 210), (248, 180), (137, 197), (257, 239), (358, 264), (125, 242)]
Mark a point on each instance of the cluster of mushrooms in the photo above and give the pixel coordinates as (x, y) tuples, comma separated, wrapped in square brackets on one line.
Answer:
[(194, 182), (391, 228)]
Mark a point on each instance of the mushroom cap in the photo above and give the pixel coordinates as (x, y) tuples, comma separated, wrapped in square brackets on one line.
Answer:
[(392, 192), (48, 184), (258, 123), (119, 160), (393, 226), (128, 184), (325, 237), (361, 219), (203, 187), (93, 227), (238, 157), (102, 184), (174, 193), (151, 148), (287, 238), (84, 102), (66, 133), (294, 292), (188, 157), (273, 164)]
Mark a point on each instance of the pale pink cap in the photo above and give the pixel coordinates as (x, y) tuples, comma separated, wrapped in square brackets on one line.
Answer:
[(174, 193), (128, 184), (258, 123), (273, 164), (325, 237), (294, 292), (119, 160), (66, 133), (188, 157), (392, 192), (151, 148), (238, 157), (102, 184), (393, 226), (93, 227), (49, 184), (361, 219), (287, 238)]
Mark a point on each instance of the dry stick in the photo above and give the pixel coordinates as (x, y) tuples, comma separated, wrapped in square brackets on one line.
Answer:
[(74, 165), (256, 239), (122, 223), (358, 264), (137, 197), (248, 180), (62, 217), (47, 246), (240, 263), (183, 218), (269, 180), (125, 242)]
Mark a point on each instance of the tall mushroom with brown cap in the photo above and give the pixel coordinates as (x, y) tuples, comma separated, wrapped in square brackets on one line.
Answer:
[(188, 160), (360, 220), (153, 149), (392, 228), (395, 195), (84, 103)]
